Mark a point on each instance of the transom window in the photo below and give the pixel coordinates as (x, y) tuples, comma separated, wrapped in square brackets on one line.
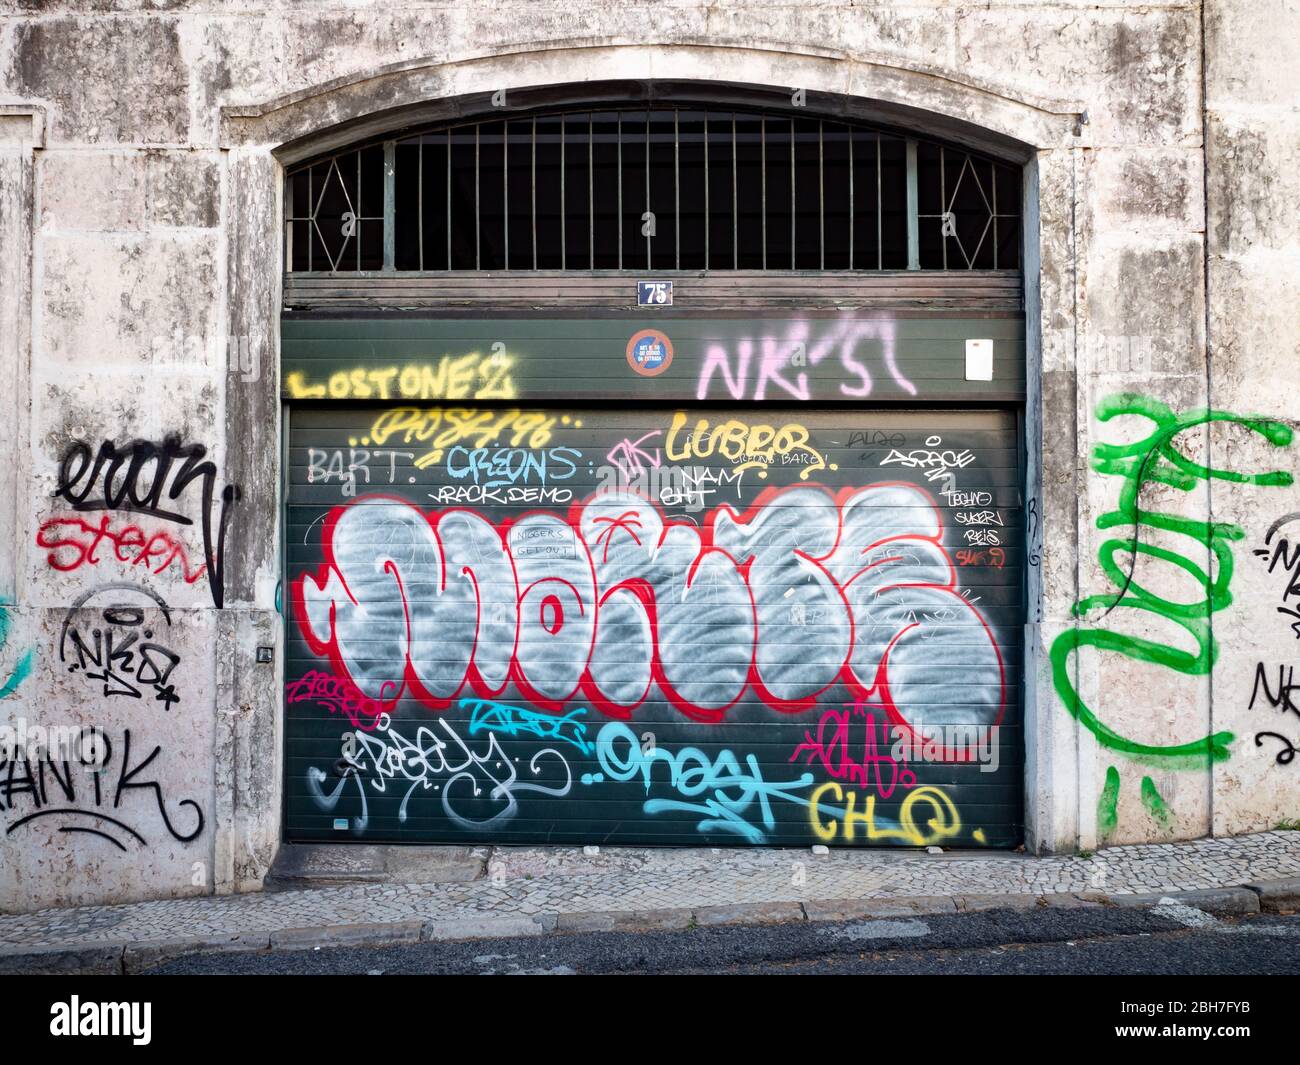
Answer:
[(652, 189)]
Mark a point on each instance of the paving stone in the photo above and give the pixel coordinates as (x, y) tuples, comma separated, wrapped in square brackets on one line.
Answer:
[(660, 888)]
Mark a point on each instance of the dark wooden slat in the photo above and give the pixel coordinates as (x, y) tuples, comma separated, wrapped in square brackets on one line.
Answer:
[(1000, 291)]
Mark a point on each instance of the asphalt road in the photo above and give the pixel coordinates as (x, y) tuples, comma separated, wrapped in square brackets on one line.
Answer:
[(1103, 941)]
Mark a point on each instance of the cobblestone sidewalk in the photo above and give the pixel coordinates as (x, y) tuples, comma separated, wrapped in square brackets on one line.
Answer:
[(529, 891)]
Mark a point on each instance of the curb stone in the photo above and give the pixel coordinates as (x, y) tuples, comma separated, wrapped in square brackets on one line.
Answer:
[(977, 903), (348, 935), (854, 909), (486, 927), (749, 913), (1227, 902), (1276, 896), (116, 957), (147, 953), (666, 920), (1064, 901), (99, 959)]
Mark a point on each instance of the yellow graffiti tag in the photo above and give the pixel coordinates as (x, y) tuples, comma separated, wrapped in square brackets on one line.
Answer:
[(943, 822), (471, 376), (438, 428), (745, 446)]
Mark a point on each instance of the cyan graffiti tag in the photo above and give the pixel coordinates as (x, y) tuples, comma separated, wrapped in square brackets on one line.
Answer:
[(507, 720), (732, 792), (23, 667), (730, 798)]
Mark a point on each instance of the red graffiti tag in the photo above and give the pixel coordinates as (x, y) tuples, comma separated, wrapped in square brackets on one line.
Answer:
[(74, 542)]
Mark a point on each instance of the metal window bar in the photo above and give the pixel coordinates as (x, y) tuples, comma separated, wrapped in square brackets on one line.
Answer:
[(994, 219), (677, 191), (619, 137), (478, 236), (505, 190), (591, 194), (534, 177), (943, 200), (763, 170), (389, 234), (448, 207), (880, 210), (946, 213), (853, 188), (564, 203), (708, 219), (793, 211), (821, 194), (735, 210), (647, 224), (913, 235)]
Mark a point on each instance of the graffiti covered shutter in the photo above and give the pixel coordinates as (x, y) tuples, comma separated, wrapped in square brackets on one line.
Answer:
[(664, 581)]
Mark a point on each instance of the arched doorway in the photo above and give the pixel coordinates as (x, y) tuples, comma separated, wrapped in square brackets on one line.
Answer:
[(654, 474)]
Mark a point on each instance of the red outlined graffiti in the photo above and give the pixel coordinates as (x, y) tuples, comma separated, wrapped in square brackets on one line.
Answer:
[(613, 604)]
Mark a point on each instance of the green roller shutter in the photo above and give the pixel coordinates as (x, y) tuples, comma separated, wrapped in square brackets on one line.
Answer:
[(592, 593)]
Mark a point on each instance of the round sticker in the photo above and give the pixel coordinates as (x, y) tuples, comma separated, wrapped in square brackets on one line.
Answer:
[(649, 352)]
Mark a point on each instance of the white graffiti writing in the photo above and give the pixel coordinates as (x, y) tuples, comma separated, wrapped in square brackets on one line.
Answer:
[(437, 759)]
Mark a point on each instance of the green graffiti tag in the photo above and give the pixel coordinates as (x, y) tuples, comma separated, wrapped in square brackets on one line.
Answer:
[(23, 666), (1155, 803), (1107, 814), (1157, 458)]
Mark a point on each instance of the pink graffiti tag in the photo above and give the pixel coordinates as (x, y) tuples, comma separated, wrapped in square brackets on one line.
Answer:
[(778, 355), (339, 695), (632, 459), (874, 768)]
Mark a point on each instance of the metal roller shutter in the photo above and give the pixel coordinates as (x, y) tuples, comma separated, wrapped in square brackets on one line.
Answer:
[(654, 623)]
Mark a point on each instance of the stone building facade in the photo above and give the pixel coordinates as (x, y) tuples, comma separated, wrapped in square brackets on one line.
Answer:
[(143, 151)]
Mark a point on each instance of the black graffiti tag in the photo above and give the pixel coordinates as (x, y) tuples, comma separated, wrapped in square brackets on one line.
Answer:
[(1284, 556), (143, 477), (118, 651), (73, 790)]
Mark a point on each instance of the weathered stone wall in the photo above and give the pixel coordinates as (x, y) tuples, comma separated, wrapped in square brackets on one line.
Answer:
[(139, 207), (1253, 291)]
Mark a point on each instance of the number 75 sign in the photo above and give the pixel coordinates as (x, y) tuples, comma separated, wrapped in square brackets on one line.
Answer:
[(654, 293)]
